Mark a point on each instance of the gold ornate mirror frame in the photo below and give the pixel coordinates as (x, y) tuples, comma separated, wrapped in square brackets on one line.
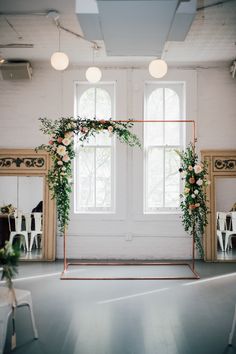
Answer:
[(221, 163), (27, 162)]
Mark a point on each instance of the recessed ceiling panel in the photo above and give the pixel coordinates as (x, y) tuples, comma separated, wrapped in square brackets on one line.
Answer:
[(136, 28)]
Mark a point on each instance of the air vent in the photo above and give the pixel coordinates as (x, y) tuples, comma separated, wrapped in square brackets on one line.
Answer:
[(16, 70)]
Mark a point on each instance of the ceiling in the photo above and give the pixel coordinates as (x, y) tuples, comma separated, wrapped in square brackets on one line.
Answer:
[(211, 39)]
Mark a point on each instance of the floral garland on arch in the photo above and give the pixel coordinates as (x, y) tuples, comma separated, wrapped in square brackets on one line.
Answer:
[(193, 204), (61, 149)]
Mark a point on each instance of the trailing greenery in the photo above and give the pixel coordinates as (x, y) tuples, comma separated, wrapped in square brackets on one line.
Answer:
[(9, 257), (61, 150), (193, 204), (7, 209)]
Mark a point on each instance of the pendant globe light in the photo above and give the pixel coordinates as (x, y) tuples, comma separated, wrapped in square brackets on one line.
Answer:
[(59, 60), (158, 68), (93, 73)]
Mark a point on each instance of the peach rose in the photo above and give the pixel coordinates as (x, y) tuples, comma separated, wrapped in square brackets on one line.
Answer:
[(197, 169), (191, 180), (66, 158), (192, 206), (66, 141), (59, 140)]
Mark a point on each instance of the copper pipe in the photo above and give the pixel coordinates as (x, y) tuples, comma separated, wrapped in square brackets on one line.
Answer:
[(192, 266), (64, 250), (194, 276)]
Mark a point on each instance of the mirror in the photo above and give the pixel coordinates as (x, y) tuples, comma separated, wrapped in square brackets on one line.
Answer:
[(225, 198), (220, 234), (27, 212), (21, 205)]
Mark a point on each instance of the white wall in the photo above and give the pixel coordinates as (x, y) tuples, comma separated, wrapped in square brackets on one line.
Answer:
[(210, 98)]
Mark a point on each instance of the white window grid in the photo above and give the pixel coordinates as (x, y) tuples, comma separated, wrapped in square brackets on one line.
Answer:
[(80, 88)]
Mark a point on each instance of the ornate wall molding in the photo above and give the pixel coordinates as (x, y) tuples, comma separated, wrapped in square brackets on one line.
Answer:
[(221, 164), (228, 164), (27, 162)]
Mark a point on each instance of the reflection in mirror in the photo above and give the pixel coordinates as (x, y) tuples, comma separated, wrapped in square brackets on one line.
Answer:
[(225, 193), (21, 214)]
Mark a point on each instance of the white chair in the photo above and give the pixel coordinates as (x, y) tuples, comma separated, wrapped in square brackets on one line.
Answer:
[(23, 298), (221, 227), (19, 230), (230, 233), (38, 230)]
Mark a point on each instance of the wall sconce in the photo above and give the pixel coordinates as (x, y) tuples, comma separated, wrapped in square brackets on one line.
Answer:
[(158, 68)]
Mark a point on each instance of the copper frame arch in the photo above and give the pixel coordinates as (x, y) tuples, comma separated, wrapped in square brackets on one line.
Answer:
[(190, 264)]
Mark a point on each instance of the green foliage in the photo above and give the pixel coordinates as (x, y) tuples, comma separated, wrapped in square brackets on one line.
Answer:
[(7, 209), (193, 204), (9, 257), (61, 150)]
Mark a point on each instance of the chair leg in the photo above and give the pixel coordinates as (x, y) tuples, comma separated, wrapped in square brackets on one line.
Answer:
[(233, 328), (32, 237), (3, 333), (30, 306), (221, 243)]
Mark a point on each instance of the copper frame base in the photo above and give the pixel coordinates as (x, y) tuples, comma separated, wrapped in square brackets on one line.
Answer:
[(190, 264), (146, 263)]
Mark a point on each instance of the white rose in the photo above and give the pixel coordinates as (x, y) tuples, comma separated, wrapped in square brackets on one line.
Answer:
[(61, 150), (196, 191), (199, 182), (193, 195)]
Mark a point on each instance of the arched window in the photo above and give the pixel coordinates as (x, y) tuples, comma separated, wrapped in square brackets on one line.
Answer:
[(94, 163), (162, 180)]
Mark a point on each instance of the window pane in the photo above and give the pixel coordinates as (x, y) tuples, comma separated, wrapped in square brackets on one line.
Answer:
[(86, 107), (94, 160), (162, 187), (154, 178), (154, 131), (172, 178), (103, 104), (172, 112), (85, 178), (103, 177)]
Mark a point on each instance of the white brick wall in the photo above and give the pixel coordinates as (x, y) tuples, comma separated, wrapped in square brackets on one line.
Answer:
[(211, 97)]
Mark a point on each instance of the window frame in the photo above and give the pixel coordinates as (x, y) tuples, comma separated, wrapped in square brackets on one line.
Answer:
[(149, 88), (110, 87)]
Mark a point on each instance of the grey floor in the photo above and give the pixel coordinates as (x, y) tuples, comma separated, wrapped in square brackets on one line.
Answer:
[(227, 256), (126, 317)]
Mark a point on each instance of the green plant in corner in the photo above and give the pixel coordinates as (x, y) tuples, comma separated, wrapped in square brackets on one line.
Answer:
[(193, 204), (61, 149), (9, 257)]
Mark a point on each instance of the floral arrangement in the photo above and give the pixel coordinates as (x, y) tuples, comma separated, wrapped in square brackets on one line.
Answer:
[(193, 204), (7, 209), (61, 149), (9, 257)]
